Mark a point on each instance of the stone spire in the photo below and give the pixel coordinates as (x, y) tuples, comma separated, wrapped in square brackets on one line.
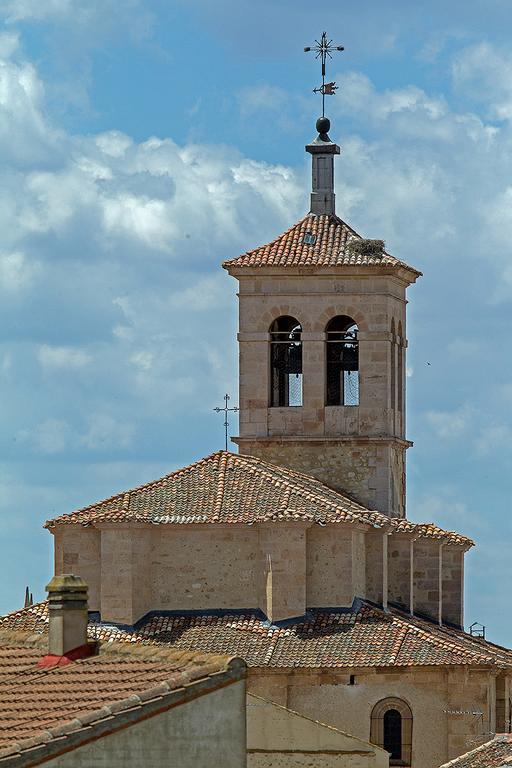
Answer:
[(322, 151)]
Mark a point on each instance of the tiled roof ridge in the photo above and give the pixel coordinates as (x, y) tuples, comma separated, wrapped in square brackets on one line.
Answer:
[(179, 681), (311, 489), (499, 738), (222, 458), (317, 490), (429, 637), (125, 495)]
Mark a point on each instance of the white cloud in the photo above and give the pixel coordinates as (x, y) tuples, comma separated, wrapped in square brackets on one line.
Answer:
[(495, 440), (62, 358), (261, 97), (437, 507), (9, 44), (450, 425), (485, 73), (360, 95), (18, 10), (16, 273), (50, 436), (143, 360), (105, 432), (465, 348)]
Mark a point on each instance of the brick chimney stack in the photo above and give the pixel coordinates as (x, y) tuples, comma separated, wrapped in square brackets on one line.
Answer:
[(67, 602)]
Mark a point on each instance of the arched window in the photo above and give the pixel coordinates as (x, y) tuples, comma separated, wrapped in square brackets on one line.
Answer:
[(391, 729), (400, 369), (285, 362), (392, 365), (342, 361)]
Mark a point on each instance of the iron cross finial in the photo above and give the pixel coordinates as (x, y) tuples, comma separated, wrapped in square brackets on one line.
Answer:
[(324, 48), (226, 410)]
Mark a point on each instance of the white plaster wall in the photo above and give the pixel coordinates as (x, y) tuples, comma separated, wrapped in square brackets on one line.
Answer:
[(206, 732)]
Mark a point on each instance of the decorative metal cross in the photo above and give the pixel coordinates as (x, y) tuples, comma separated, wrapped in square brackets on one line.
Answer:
[(324, 49), (225, 411)]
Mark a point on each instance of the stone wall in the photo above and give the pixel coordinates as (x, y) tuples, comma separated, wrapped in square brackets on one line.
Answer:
[(438, 698), (78, 550), (453, 585), (195, 567), (360, 468), (329, 567), (399, 571), (282, 568), (374, 566), (426, 577)]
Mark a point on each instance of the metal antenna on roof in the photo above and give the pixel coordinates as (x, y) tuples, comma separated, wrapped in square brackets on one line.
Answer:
[(324, 49), (225, 411)]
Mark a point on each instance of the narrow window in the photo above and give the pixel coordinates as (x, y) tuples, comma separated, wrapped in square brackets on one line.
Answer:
[(342, 361), (393, 734), (392, 364), (285, 362), (400, 369), (391, 729)]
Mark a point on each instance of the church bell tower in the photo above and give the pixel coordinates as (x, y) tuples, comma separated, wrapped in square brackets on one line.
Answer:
[(322, 345)]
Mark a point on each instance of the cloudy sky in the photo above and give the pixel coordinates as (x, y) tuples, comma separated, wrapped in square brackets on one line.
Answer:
[(143, 142)]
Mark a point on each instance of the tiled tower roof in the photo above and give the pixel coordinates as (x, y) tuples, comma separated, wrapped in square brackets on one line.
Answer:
[(230, 488), (322, 241)]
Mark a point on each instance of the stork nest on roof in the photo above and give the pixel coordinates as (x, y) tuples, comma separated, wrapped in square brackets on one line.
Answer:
[(371, 249)]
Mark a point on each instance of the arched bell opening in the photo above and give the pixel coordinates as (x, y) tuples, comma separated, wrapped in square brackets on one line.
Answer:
[(285, 362), (342, 361)]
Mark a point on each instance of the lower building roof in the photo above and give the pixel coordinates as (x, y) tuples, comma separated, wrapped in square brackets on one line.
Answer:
[(49, 710), (496, 753), (361, 636)]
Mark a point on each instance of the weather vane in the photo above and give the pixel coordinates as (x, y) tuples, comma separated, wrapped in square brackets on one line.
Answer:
[(225, 411), (324, 48)]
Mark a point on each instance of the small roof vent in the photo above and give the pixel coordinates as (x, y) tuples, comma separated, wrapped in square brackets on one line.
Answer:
[(309, 238)]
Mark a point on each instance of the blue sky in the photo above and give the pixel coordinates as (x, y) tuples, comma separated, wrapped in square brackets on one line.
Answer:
[(141, 143)]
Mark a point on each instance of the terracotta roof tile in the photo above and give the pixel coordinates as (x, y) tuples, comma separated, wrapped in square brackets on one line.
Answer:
[(230, 488), (363, 636), (333, 247), (38, 705), (492, 754)]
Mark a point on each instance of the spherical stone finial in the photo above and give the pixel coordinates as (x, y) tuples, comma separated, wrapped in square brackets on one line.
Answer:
[(323, 125)]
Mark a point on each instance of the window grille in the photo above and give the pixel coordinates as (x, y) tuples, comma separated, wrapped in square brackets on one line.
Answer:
[(285, 362), (342, 362)]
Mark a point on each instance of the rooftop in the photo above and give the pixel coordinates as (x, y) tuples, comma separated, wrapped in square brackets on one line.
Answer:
[(231, 488), (318, 240), (60, 707), (492, 754), (362, 636)]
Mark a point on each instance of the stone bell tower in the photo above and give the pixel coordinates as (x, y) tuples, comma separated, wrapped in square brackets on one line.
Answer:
[(322, 349)]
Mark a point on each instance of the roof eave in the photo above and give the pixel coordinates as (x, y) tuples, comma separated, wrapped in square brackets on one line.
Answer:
[(405, 273)]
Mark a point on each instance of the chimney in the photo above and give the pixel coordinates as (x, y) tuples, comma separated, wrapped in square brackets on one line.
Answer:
[(323, 151), (67, 603)]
